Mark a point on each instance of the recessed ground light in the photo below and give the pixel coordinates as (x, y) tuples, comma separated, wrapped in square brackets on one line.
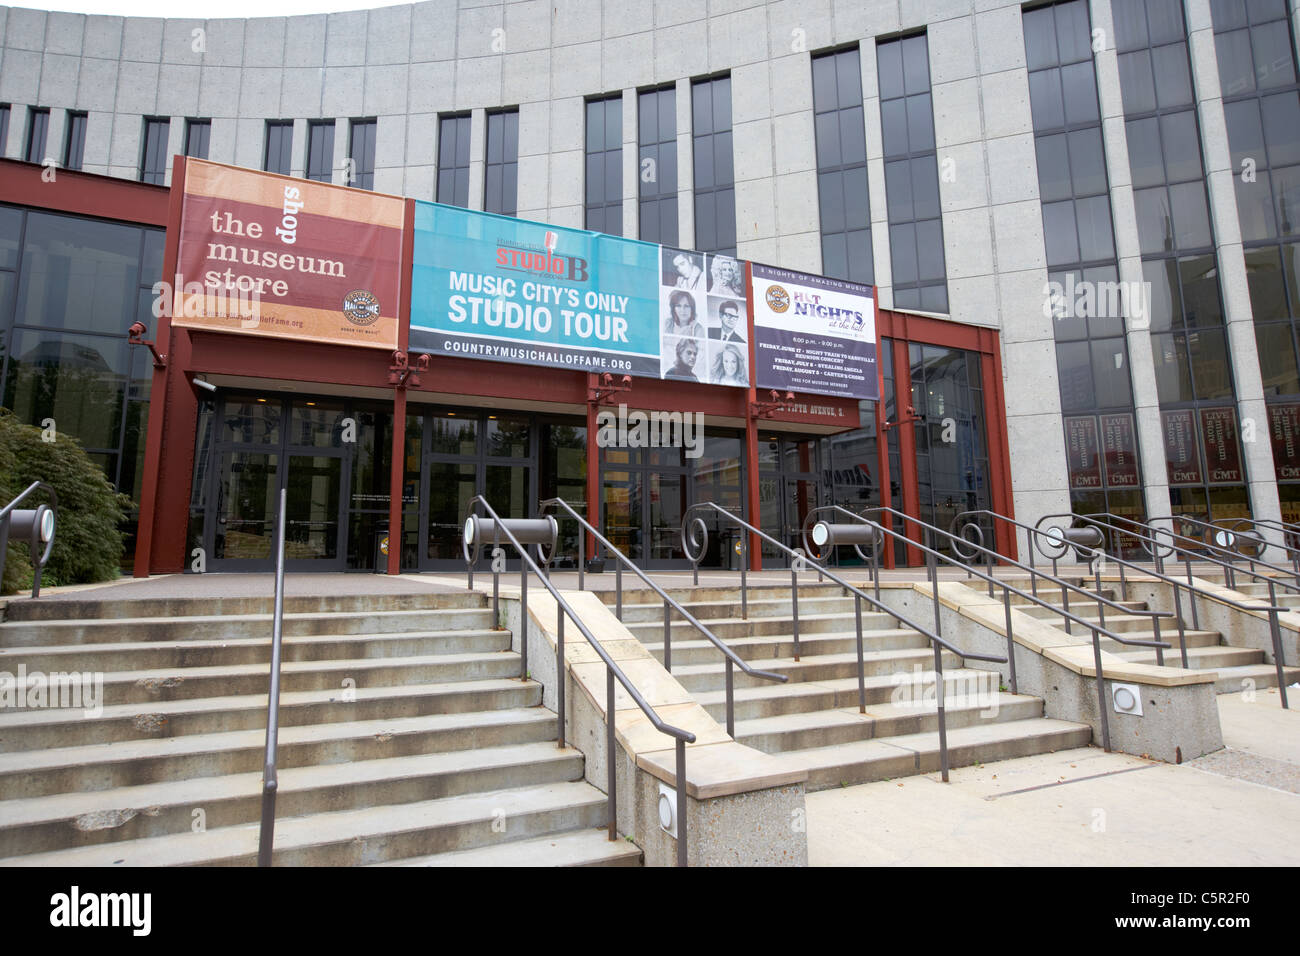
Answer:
[(1127, 699)]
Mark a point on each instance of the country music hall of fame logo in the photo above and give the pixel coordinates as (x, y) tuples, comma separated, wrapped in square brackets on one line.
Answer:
[(778, 300), (361, 307)]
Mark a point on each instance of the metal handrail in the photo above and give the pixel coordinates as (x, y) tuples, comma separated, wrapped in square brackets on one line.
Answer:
[(1149, 537), (695, 537), (731, 656), (612, 673), (1097, 629), (1288, 531), (1272, 608), (38, 564), (270, 781), (1214, 547)]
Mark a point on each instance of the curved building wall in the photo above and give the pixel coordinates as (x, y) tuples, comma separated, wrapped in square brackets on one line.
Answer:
[(406, 66)]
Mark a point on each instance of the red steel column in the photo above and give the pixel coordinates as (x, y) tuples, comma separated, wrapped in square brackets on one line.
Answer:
[(151, 514), (751, 431), (593, 466), (397, 467)]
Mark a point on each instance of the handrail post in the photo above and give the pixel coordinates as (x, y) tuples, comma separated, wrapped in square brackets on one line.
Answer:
[(744, 585), (668, 639), (523, 620), (611, 776), (1191, 594), (862, 678), (932, 566), (1101, 691), (270, 780), (988, 567), (582, 556), (939, 696), (560, 676), (681, 802), (1278, 661), (875, 563), (1101, 608), (731, 700), (1178, 615), (1123, 584), (496, 576), (1011, 644), (794, 605), (1160, 651), (618, 588)]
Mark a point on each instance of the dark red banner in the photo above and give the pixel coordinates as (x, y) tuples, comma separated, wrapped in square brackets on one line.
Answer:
[(1119, 444), (1182, 453), (1284, 431), (1081, 452), (1222, 453)]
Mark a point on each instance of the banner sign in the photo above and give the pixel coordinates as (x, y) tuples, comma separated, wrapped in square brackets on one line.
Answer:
[(1182, 457), (1081, 452), (510, 290), (262, 254), (1222, 454), (1120, 442), (1284, 430), (814, 334)]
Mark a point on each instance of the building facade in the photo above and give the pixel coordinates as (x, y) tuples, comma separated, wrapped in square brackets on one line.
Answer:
[(1079, 219)]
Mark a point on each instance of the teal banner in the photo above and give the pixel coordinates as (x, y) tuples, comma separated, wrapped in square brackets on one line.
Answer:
[(509, 290)]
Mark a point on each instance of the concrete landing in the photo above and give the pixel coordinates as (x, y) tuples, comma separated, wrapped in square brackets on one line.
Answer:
[(1084, 807)]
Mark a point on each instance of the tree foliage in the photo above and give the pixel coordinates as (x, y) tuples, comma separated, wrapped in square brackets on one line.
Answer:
[(88, 542)]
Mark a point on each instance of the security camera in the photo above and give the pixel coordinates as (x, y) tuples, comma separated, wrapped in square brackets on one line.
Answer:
[(206, 386)]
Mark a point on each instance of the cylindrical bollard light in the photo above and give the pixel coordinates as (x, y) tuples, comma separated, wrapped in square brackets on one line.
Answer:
[(26, 524), (824, 534), (1084, 540), (480, 532)]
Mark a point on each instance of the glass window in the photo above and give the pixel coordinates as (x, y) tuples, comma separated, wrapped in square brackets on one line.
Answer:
[(78, 380), (841, 155), (38, 124), (279, 147), (198, 135), (714, 164), (501, 184), (454, 433), (604, 191), (453, 161), (74, 148), (78, 274), (657, 165), (361, 153), (320, 151), (153, 159)]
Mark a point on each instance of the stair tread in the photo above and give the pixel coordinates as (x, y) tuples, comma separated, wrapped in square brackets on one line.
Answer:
[(572, 848), (808, 660), (840, 716), (20, 650), (834, 685), (267, 618), (228, 843), (193, 744), (863, 751), (288, 699), (291, 667), (197, 790), (1175, 652)]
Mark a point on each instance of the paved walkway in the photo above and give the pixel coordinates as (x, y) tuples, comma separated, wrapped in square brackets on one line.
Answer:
[(1238, 807)]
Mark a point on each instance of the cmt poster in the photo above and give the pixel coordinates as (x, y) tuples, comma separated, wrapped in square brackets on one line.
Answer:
[(261, 254), (509, 290), (814, 334)]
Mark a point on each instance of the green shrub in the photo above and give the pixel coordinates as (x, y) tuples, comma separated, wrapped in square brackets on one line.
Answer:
[(88, 544)]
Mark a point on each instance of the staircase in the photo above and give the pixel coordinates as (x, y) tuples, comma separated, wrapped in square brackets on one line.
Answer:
[(1206, 650), (407, 737), (814, 719)]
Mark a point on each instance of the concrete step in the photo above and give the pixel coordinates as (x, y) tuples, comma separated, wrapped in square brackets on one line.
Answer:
[(68, 727), (1232, 680), (729, 629), (707, 677), (1198, 658), (707, 611), (353, 837), (222, 626), (778, 646), (49, 608), (770, 700), (868, 760), (808, 587), (105, 766), (1168, 634), (576, 848), (250, 650), (1114, 621), (832, 727), (59, 821), (177, 683)]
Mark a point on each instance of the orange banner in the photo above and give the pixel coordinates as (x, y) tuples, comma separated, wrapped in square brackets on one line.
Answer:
[(262, 254)]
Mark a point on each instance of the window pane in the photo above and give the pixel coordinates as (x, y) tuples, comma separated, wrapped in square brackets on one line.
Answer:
[(1245, 134), (1277, 359), (1282, 128), (1191, 215), (1144, 155), (78, 274), (1209, 357), (1110, 373), (1080, 86), (1045, 99), (898, 190), (1087, 164), (1255, 207), (831, 200), (1173, 78), (920, 123), (1274, 61), (1236, 67), (902, 245), (1267, 291), (1200, 279), (1286, 191), (78, 380), (1173, 377), (1060, 233), (1074, 370), (1182, 147), (1161, 277), (1095, 239), (1040, 38), (1137, 88)]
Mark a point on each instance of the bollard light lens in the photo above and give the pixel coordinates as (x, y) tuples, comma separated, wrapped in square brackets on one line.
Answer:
[(820, 533), (47, 527), (469, 530)]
